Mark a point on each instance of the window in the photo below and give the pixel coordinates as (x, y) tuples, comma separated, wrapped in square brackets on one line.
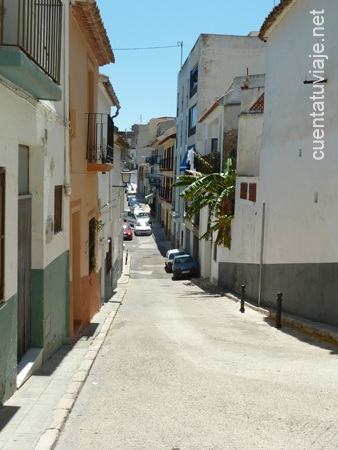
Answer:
[(58, 209), (252, 192), (214, 145), (248, 191), (192, 120), (193, 81), (23, 170), (2, 231), (244, 191)]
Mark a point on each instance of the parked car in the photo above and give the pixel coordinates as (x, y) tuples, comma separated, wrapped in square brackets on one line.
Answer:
[(142, 228), (136, 207), (127, 231), (128, 187), (183, 266), (132, 201), (169, 257), (142, 215), (139, 215), (126, 214), (131, 191)]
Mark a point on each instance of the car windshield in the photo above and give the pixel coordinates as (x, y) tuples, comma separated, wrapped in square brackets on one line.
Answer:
[(174, 254), (126, 227), (142, 223), (142, 214), (183, 259)]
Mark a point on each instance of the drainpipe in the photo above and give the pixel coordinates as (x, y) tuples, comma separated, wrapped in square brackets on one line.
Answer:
[(67, 186), (261, 256), (117, 112)]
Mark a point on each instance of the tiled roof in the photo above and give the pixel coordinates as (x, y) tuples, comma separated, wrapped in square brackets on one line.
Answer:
[(171, 135), (87, 15), (258, 106), (120, 141), (104, 79), (272, 17)]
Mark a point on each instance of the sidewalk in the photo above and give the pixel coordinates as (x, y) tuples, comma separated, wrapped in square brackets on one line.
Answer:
[(315, 329), (33, 417)]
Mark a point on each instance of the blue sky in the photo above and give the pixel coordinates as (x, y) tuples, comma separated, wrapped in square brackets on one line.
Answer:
[(145, 81)]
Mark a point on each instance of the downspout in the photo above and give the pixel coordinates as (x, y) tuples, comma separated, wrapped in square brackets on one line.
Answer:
[(261, 256), (117, 111), (67, 186)]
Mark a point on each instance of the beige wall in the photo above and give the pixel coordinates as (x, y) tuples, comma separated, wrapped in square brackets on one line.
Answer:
[(85, 294)]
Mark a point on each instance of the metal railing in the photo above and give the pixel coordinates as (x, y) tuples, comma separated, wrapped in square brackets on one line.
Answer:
[(167, 163), (35, 27), (166, 193), (100, 138), (210, 163)]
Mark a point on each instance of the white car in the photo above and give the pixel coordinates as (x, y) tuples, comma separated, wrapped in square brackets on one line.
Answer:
[(133, 217), (136, 208), (169, 258), (142, 228)]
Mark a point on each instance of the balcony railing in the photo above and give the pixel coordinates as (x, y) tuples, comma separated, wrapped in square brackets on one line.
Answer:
[(152, 160), (100, 139), (165, 193), (34, 27), (154, 180), (210, 163), (166, 163)]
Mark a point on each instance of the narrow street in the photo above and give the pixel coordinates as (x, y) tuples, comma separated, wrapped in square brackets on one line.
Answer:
[(182, 369)]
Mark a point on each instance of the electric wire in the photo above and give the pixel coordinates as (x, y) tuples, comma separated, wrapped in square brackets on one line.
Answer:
[(179, 44)]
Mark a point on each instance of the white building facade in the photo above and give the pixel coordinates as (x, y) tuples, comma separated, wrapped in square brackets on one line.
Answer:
[(237, 125), (35, 189), (111, 199), (285, 240), (209, 69), (299, 160)]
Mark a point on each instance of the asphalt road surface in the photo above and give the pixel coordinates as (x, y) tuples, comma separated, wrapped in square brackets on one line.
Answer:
[(184, 369)]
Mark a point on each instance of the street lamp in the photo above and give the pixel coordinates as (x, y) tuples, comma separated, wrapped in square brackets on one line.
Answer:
[(125, 175)]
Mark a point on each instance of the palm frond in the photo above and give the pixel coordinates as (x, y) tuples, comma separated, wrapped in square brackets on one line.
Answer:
[(215, 191)]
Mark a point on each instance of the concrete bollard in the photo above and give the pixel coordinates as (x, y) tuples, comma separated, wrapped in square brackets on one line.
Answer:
[(242, 309), (279, 310)]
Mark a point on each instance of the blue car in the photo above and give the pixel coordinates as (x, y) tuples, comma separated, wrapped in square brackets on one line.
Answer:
[(184, 266), (132, 201)]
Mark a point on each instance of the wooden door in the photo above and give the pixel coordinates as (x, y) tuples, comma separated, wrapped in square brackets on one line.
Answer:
[(24, 275)]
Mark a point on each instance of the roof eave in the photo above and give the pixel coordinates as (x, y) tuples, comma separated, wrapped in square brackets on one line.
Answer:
[(87, 15), (274, 18)]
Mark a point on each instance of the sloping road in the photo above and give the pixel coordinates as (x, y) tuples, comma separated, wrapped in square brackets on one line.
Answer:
[(183, 369)]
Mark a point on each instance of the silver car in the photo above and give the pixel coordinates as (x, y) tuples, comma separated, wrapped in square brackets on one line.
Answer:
[(142, 228)]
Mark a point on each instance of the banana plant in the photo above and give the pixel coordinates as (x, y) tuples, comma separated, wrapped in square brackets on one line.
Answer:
[(215, 191)]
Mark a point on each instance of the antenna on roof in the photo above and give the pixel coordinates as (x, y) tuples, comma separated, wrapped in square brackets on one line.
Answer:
[(180, 43)]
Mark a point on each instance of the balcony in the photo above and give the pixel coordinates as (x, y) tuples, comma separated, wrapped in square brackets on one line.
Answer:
[(100, 143), (166, 164), (152, 160), (154, 180), (206, 164), (165, 193), (30, 46)]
